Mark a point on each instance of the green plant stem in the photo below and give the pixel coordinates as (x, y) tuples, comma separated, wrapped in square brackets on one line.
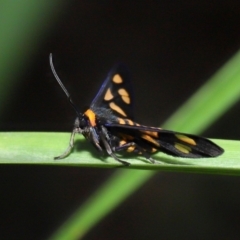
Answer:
[(40, 148)]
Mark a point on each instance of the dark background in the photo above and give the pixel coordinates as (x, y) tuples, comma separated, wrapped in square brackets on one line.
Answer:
[(172, 48)]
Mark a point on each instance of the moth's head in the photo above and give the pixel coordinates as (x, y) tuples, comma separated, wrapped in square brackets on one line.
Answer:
[(83, 122), (80, 122)]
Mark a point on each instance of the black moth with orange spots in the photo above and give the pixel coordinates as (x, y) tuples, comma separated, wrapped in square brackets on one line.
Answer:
[(108, 124)]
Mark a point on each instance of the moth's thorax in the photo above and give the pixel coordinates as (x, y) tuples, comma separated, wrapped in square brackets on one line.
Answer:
[(91, 117)]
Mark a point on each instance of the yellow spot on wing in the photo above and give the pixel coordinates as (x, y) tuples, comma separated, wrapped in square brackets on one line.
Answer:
[(182, 148), (126, 121), (121, 121), (150, 139), (108, 95), (151, 133), (153, 150), (126, 99), (116, 108), (186, 139), (117, 78), (131, 148), (124, 94), (91, 116), (126, 137), (130, 122), (122, 142)]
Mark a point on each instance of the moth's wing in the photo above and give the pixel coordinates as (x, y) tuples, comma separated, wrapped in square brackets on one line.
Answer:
[(173, 143), (116, 93)]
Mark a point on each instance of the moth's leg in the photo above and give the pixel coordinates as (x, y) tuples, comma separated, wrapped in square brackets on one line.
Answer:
[(68, 150), (110, 152), (133, 147), (106, 140)]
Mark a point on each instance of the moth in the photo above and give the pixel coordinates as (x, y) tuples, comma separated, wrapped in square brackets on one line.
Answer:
[(109, 125)]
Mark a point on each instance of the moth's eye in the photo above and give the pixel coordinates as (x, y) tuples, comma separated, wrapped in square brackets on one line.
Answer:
[(83, 122)]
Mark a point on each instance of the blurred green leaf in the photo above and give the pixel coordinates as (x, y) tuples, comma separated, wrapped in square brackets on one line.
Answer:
[(23, 26), (211, 101)]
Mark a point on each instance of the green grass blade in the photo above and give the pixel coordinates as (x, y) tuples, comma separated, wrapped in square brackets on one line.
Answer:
[(40, 148), (211, 103)]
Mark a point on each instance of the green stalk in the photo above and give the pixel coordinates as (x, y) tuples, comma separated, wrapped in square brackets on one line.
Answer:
[(40, 148)]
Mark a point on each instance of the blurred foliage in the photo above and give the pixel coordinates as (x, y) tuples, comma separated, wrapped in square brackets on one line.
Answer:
[(22, 27)]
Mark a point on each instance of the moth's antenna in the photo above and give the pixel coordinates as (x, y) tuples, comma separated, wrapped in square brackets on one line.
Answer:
[(62, 86)]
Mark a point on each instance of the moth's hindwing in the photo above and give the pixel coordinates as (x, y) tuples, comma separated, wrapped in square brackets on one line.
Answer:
[(152, 139), (116, 93)]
